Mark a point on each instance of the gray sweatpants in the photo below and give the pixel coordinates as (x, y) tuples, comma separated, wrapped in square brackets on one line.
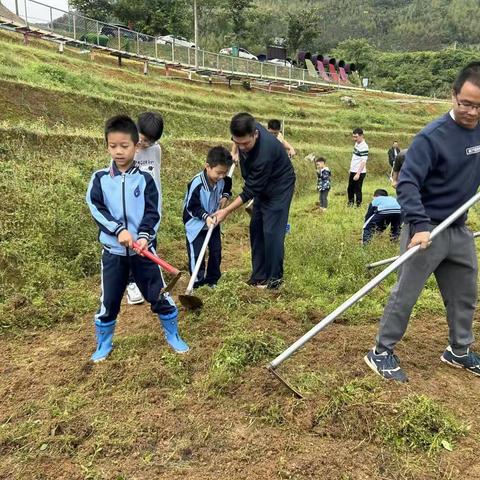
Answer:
[(452, 258)]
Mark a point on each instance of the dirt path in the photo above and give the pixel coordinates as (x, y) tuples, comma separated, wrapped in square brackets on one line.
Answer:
[(128, 417)]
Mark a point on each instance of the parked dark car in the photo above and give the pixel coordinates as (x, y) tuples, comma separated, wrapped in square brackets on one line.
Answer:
[(112, 31)]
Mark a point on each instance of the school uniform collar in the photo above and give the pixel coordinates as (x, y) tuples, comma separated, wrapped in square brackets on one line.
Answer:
[(114, 171), (206, 183)]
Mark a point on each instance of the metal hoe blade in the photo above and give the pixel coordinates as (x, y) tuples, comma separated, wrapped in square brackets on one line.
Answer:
[(190, 302), (169, 287), (279, 377)]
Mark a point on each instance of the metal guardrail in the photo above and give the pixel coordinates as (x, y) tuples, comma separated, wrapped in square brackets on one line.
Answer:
[(69, 26)]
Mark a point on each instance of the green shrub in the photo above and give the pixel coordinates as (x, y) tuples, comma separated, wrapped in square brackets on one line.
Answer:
[(101, 40)]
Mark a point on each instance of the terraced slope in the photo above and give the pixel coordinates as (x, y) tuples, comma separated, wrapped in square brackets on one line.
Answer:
[(215, 413)]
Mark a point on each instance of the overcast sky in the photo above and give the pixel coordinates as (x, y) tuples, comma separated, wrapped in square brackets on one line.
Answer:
[(35, 11)]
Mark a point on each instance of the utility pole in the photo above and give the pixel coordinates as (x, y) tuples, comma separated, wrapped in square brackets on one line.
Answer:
[(195, 22), (16, 7)]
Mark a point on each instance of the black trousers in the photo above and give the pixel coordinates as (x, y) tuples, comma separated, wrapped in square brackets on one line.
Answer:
[(267, 235), (323, 198), (354, 189), (115, 276), (379, 223), (213, 273)]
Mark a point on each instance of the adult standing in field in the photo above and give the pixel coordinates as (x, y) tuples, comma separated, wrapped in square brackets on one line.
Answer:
[(397, 166), (269, 179), (358, 168), (441, 172), (392, 153)]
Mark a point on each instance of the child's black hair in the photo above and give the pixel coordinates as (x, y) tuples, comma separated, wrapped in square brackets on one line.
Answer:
[(320, 159), (380, 192), (358, 131), (123, 124), (150, 124), (274, 124), (219, 156)]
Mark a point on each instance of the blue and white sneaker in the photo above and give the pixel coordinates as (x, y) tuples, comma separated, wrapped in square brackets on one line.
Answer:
[(469, 361), (386, 365)]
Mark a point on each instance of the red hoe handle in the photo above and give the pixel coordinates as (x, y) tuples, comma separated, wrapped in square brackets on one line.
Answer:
[(166, 266)]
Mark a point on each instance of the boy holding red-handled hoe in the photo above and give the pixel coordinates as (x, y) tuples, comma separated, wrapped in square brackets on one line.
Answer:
[(124, 203)]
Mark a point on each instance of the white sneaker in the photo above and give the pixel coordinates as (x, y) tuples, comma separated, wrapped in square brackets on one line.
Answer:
[(134, 296)]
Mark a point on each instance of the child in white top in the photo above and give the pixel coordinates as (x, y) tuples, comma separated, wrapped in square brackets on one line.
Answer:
[(148, 159)]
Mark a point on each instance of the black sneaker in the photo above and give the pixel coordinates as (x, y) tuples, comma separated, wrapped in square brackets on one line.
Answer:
[(275, 284), (385, 364), (469, 361)]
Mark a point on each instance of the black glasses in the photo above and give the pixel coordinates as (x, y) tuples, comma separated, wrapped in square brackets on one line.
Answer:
[(467, 105)]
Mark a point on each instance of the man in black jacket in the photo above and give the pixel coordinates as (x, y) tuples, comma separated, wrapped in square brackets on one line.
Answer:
[(269, 179), (393, 152)]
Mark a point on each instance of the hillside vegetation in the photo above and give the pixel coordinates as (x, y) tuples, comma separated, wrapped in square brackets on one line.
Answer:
[(214, 413)]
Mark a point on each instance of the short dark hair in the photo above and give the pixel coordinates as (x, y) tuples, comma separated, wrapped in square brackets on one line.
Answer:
[(242, 124), (123, 124), (320, 159), (219, 156), (380, 192), (274, 124), (358, 131), (469, 73), (150, 124)]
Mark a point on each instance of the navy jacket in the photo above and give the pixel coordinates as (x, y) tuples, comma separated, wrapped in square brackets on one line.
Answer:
[(440, 173), (266, 169)]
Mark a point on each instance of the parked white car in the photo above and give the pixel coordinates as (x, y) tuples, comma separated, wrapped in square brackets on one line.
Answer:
[(180, 41), (280, 63), (242, 53)]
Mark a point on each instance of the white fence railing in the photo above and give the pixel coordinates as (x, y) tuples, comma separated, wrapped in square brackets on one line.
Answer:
[(81, 29)]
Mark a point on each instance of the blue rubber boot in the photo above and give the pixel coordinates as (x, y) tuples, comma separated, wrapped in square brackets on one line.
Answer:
[(170, 327), (104, 332)]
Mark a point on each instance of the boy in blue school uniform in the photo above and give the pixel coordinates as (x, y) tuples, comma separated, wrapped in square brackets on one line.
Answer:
[(208, 191), (124, 202), (382, 212)]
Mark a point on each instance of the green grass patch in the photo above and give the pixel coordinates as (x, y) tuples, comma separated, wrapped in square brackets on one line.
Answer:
[(239, 351), (421, 424)]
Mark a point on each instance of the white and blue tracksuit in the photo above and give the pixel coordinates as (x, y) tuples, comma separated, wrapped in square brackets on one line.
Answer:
[(201, 200), (382, 211), (126, 201)]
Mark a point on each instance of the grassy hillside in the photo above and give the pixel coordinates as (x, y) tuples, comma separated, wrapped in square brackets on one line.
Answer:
[(214, 413)]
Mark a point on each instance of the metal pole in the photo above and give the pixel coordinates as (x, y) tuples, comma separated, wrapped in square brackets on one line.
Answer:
[(74, 26), (156, 48), (195, 26), (386, 261), (369, 286), (119, 42), (26, 17), (173, 50), (138, 44), (51, 19), (98, 35), (261, 70), (16, 8)]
